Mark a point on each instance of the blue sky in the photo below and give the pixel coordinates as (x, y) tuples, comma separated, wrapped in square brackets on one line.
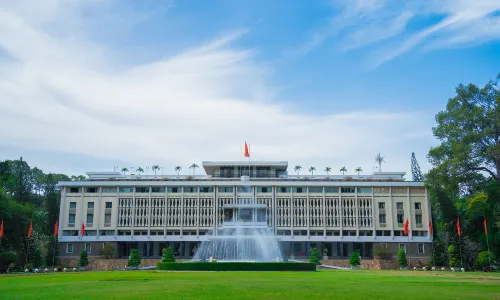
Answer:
[(86, 85)]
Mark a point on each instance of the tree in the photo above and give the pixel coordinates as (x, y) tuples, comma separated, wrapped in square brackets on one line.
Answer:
[(194, 166), (311, 170), (124, 170), (454, 259), (355, 260), (84, 260), (484, 258), (343, 170), (402, 261), (416, 174), (135, 259), (178, 169), (328, 170), (155, 168), (358, 170), (315, 256), (379, 159), (139, 170), (37, 258), (168, 255), (297, 169), (107, 251), (51, 257), (469, 131)]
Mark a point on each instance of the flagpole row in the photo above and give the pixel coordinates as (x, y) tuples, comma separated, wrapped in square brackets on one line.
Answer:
[(485, 224)]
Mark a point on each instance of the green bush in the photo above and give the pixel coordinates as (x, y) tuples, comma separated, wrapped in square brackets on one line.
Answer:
[(168, 255), (84, 260), (236, 266), (135, 259), (355, 260), (37, 258), (402, 261), (454, 258), (483, 259), (7, 258), (108, 251), (315, 256)]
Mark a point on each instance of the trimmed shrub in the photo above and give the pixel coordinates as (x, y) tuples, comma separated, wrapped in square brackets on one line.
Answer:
[(355, 259), (168, 255), (84, 260), (37, 258), (402, 261), (315, 256), (135, 259), (483, 258), (235, 266), (108, 251), (454, 258)]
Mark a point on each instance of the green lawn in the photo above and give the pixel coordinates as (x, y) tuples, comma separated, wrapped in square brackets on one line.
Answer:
[(252, 285)]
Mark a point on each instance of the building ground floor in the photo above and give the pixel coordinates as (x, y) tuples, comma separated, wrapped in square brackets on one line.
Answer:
[(289, 249)]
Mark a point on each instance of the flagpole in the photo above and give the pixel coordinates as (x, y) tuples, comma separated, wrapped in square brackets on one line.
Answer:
[(54, 255), (460, 246), (487, 242)]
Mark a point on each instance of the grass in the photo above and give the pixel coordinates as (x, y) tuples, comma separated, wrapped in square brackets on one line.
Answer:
[(323, 284)]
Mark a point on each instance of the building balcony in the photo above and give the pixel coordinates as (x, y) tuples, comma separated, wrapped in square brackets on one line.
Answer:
[(383, 225), (418, 211), (90, 211), (107, 224), (72, 210), (400, 211), (71, 224), (381, 211), (401, 225), (107, 211), (420, 225)]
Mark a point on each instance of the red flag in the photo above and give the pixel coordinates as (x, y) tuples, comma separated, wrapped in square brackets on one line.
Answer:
[(56, 228), (484, 225), (83, 229), (430, 227), (459, 232), (1, 230), (247, 151), (30, 230), (407, 223)]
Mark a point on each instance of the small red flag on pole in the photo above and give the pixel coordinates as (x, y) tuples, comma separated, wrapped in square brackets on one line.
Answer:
[(30, 230), (247, 152), (430, 227), (56, 228), (407, 223), (83, 229), (485, 226), (1, 230), (459, 232)]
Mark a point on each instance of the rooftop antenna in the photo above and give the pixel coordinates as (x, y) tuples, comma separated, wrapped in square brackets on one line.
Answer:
[(379, 159)]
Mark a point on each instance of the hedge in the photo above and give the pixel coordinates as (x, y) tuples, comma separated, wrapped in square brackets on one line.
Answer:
[(235, 266)]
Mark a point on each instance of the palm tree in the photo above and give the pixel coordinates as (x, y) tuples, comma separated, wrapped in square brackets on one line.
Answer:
[(178, 169), (155, 168), (297, 169), (139, 170), (327, 170), (311, 170), (358, 170), (343, 170), (379, 159), (194, 166), (124, 170)]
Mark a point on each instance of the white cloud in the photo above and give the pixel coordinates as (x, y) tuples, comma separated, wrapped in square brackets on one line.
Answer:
[(62, 92)]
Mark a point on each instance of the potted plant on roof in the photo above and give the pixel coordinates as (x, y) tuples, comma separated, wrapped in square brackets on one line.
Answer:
[(355, 260)]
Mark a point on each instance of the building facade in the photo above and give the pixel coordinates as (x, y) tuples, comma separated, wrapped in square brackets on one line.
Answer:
[(337, 214)]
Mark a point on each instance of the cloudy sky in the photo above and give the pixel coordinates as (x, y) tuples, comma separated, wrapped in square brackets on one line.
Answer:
[(86, 85)]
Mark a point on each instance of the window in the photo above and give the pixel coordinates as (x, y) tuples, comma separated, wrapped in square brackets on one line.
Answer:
[(315, 190), (88, 247), (348, 190), (190, 189), (244, 189), (299, 190), (399, 190), (225, 189), (399, 205), (74, 190), (400, 218), (142, 189), (381, 205), (331, 190), (402, 246), (206, 189), (90, 205), (381, 190), (381, 218), (418, 219), (109, 204), (420, 248), (108, 190), (174, 189), (158, 190), (90, 218), (91, 190), (264, 189), (70, 232), (107, 220), (126, 190), (71, 219), (69, 248), (72, 205), (283, 190), (418, 205), (365, 190)]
